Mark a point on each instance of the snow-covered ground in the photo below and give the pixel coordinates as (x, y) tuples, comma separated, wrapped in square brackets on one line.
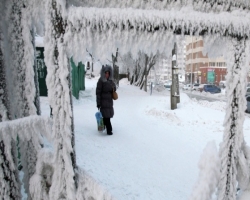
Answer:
[(154, 152)]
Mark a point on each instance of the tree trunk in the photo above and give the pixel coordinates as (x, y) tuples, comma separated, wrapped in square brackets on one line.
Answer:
[(4, 101), (146, 83), (140, 80), (60, 97), (142, 83), (28, 160), (17, 57), (10, 185), (131, 80), (139, 77), (150, 62)]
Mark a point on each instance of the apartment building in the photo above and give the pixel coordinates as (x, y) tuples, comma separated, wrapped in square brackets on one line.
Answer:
[(181, 58), (164, 70), (200, 68)]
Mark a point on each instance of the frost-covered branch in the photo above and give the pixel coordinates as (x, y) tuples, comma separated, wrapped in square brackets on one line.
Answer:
[(19, 56), (233, 142), (221, 5), (58, 81), (31, 129), (204, 5), (111, 28), (4, 100), (183, 21)]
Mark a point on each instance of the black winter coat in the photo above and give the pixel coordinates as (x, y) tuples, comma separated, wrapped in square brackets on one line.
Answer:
[(104, 99)]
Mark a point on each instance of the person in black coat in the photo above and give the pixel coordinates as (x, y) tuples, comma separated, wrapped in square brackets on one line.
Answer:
[(104, 89)]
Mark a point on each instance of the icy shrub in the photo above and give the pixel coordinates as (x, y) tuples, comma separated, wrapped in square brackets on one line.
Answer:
[(209, 166)]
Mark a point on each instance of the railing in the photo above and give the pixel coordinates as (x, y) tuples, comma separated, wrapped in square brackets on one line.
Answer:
[(34, 136)]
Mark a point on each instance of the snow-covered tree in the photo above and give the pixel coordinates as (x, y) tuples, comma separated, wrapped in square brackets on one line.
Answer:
[(10, 186), (58, 81), (18, 84), (21, 62), (4, 101), (103, 26), (143, 66), (234, 153), (128, 63), (231, 151)]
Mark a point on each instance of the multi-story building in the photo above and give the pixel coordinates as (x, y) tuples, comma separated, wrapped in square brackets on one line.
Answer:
[(215, 72), (163, 71), (181, 59), (200, 68), (166, 73), (165, 65)]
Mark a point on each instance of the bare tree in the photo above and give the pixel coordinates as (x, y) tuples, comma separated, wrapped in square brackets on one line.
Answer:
[(145, 64)]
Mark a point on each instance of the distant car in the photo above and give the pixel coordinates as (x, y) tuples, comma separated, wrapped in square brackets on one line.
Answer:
[(211, 88), (167, 85), (196, 86), (168, 82), (248, 91), (222, 84), (201, 87), (248, 104), (187, 87)]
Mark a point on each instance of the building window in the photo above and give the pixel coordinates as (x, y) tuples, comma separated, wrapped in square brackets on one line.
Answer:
[(212, 64)]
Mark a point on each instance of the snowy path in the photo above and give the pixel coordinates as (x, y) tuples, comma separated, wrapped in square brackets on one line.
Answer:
[(154, 151)]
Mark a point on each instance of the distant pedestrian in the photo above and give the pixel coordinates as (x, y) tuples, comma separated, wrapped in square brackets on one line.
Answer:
[(104, 89)]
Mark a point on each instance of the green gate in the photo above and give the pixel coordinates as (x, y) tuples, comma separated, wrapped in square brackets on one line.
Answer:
[(210, 76), (78, 78), (78, 74)]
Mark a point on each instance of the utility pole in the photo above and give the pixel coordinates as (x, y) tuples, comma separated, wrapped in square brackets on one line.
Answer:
[(174, 93)]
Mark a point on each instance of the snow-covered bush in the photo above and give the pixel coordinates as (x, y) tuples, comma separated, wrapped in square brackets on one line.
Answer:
[(209, 166)]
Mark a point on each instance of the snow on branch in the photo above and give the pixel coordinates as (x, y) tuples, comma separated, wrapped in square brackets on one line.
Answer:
[(102, 30), (29, 130), (58, 81), (221, 5), (204, 5), (183, 21), (140, 4)]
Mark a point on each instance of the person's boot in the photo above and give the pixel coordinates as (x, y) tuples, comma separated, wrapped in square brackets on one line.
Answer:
[(109, 133)]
